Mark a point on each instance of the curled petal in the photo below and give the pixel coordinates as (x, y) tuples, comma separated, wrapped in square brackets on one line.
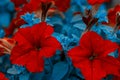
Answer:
[(6, 45)]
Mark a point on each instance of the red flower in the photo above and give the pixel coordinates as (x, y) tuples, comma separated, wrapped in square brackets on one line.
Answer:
[(18, 21), (92, 58), (34, 44), (93, 2), (2, 76), (112, 15)]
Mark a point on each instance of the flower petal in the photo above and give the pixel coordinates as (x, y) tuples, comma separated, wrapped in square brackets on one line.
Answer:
[(85, 67), (48, 52), (111, 65), (36, 64), (51, 42), (99, 45), (2, 76), (93, 2), (98, 72), (79, 52)]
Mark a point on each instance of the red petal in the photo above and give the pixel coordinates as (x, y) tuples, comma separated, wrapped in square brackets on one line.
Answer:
[(112, 14), (98, 72), (99, 45), (41, 31), (31, 60), (49, 46), (77, 55), (79, 52), (2, 76), (85, 67), (35, 34), (51, 42), (23, 39), (48, 30), (111, 65), (22, 48), (93, 2), (35, 64), (109, 47), (47, 51), (85, 42), (91, 70), (20, 55)]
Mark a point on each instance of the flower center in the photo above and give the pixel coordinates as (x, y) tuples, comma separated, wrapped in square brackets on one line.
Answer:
[(37, 47), (92, 57)]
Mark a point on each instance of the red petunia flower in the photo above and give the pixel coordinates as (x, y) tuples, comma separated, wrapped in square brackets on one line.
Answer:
[(93, 2), (33, 45), (92, 58), (2, 76), (18, 21), (112, 14)]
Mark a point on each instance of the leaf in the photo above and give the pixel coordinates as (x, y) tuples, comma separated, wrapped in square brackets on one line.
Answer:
[(15, 70), (24, 76), (59, 71), (30, 19), (76, 18), (37, 76), (80, 26)]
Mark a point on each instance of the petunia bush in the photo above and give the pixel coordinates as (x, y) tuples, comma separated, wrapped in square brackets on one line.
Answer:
[(59, 40)]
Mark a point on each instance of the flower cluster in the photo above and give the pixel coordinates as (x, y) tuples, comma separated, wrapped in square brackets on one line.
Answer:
[(61, 40)]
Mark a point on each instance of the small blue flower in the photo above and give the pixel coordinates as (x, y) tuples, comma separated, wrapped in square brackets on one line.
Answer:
[(30, 19), (66, 42)]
